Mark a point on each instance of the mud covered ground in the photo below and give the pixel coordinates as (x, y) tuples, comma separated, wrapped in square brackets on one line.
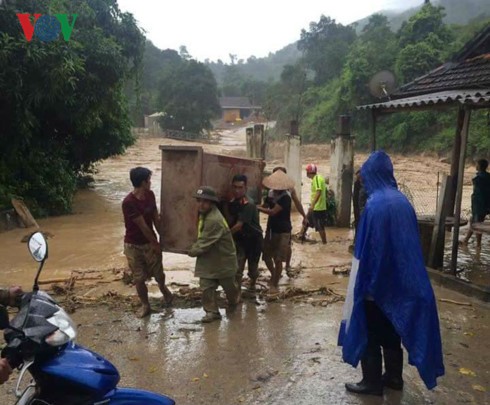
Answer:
[(272, 353), (267, 352)]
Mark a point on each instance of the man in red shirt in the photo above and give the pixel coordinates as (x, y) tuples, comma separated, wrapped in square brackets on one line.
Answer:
[(141, 245)]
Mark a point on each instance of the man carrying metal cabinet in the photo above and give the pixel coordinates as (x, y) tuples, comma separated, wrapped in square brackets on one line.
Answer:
[(141, 246), (216, 263), (246, 230), (277, 242)]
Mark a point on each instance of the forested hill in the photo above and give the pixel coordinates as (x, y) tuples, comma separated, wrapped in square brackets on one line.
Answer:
[(263, 69), (459, 12)]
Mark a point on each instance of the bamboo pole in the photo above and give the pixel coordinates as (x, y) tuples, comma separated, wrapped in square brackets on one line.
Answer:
[(436, 253), (459, 190), (455, 160)]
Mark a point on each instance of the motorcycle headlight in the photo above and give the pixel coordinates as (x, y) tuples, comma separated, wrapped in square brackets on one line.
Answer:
[(67, 330)]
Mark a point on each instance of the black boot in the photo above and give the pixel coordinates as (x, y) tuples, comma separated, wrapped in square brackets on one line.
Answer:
[(392, 378), (371, 383)]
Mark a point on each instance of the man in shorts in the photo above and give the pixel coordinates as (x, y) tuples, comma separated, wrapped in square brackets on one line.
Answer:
[(299, 208), (246, 231), (480, 200), (141, 246), (317, 213), (277, 242)]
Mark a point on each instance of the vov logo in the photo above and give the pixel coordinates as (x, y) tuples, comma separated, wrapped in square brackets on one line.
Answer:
[(46, 27)]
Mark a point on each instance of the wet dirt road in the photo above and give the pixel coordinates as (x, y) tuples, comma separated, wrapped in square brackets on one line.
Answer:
[(264, 353), (272, 353)]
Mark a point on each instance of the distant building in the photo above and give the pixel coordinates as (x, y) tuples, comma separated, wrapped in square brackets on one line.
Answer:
[(236, 108)]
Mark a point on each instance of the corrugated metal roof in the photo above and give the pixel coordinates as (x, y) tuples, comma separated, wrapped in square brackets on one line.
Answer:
[(443, 97)]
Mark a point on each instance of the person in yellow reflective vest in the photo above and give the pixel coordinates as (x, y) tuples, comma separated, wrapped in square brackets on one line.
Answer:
[(216, 263), (317, 214)]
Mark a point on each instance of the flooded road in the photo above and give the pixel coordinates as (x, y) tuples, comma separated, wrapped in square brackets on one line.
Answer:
[(91, 238), (265, 352)]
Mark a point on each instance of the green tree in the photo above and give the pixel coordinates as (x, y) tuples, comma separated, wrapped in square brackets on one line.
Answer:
[(428, 20), (325, 47), (62, 104), (422, 41), (374, 50), (188, 97)]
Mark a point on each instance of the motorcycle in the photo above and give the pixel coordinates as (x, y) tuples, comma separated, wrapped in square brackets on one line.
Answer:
[(41, 340)]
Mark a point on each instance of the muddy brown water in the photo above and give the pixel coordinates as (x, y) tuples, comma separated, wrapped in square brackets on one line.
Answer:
[(265, 353), (91, 238)]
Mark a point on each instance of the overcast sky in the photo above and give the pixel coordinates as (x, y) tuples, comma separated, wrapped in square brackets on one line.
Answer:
[(215, 28)]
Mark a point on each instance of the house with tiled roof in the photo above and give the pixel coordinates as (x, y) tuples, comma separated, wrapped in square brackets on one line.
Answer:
[(236, 108)]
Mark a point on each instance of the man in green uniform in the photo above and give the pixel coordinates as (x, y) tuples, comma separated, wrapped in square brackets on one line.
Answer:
[(480, 199), (216, 263), (317, 214), (8, 297)]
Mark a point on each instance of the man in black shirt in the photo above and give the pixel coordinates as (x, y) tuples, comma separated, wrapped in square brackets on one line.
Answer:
[(277, 240), (247, 232)]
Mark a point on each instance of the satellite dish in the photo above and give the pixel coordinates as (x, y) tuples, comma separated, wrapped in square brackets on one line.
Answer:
[(382, 84)]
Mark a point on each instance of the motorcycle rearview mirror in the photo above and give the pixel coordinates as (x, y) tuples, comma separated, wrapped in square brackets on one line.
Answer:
[(4, 318), (38, 248)]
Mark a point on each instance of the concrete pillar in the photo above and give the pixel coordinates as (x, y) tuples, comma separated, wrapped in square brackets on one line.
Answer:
[(292, 156), (250, 142), (292, 160), (342, 170), (260, 144), (256, 144)]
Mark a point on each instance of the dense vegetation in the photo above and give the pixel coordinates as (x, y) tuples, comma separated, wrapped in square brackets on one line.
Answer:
[(331, 79), (173, 83), (62, 105), (188, 97), (65, 105)]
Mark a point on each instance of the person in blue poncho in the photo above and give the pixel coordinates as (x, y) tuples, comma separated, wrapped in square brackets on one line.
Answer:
[(390, 299)]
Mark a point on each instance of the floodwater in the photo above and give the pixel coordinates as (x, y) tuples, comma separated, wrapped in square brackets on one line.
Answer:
[(263, 353)]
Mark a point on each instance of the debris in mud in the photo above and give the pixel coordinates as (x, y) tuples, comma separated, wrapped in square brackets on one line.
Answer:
[(294, 272), (127, 278), (303, 239), (322, 296), (74, 292), (342, 271), (264, 376), (467, 304), (467, 371)]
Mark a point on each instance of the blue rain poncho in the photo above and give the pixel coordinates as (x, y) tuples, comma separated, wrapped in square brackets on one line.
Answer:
[(388, 267)]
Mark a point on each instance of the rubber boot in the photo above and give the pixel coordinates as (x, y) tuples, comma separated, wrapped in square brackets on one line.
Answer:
[(392, 378), (371, 383)]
